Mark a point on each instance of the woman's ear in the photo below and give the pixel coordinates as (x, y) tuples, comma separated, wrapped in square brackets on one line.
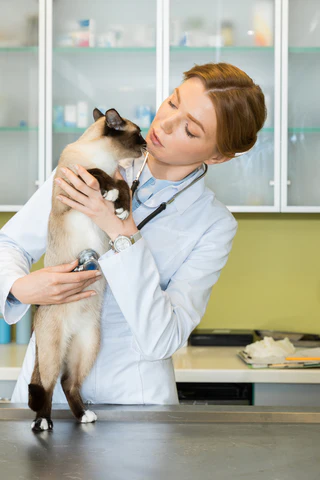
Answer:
[(217, 158)]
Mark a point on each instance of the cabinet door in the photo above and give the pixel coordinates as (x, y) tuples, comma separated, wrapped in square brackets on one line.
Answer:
[(247, 35), (21, 88), (104, 55), (301, 106)]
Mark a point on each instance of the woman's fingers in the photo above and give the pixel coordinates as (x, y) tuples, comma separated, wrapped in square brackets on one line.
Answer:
[(76, 277), (84, 186), (78, 296), (89, 179), (73, 192), (68, 290), (75, 288)]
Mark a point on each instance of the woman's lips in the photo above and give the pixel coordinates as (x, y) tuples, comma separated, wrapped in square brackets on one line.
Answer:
[(154, 139)]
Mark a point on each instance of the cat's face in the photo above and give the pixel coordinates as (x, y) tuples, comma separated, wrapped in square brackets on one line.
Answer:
[(125, 136)]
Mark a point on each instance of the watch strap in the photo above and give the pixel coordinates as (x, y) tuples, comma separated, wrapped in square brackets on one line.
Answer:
[(133, 239)]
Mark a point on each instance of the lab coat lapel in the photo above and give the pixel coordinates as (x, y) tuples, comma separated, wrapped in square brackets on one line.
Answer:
[(180, 204)]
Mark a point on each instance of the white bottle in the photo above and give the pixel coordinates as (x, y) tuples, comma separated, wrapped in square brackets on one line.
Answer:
[(70, 115), (82, 115), (263, 22)]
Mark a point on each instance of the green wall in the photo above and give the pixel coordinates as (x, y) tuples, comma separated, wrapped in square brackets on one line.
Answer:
[(272, 278)]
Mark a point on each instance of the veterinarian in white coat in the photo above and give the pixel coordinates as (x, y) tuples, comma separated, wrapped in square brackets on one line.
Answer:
[(157, 289)]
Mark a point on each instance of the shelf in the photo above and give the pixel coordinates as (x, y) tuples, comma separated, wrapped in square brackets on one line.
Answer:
[(18, 49), (18, 129), (304, 130), (223, 49), (304, 49), (75, 130), (68, 130), (104, 49), (153, 49), (81, 130)]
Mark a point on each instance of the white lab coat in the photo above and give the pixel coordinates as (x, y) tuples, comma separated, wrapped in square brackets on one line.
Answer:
[(157, 289)]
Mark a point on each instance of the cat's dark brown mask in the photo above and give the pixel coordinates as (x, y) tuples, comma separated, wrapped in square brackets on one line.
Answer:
[(125, 134)]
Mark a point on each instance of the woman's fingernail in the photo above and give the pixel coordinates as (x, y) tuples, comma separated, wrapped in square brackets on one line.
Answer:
[(63, 170), (59, 198), (76, 167), (57, 180), (92, 294)]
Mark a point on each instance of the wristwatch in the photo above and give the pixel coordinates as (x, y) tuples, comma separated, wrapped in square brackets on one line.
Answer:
[(122, 242)]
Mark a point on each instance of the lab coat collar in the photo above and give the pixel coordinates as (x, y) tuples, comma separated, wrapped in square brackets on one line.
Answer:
[(182, 202)]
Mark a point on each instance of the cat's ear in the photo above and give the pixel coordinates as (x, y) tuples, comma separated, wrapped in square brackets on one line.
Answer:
[(97, 114), (113, 120)]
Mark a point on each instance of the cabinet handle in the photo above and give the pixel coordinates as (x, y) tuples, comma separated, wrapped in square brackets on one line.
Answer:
[(37, 183), (288, 182), (271, 183)]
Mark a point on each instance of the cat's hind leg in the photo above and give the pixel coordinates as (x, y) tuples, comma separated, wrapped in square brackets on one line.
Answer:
[(46, 369), (80, 358)]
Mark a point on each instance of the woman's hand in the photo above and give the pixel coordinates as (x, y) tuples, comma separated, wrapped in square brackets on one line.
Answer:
[(55, 285), (88, 200)]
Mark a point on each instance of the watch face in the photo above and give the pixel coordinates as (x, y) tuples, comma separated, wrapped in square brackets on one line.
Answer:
[(121, 243)]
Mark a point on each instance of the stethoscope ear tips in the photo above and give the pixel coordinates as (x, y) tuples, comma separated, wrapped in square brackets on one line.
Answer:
[(242, 153)]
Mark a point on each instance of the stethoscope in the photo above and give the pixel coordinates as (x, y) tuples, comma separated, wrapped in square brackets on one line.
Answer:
[(163, 205)]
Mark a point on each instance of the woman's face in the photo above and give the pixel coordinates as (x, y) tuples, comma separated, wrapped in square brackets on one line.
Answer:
[(183, 131)]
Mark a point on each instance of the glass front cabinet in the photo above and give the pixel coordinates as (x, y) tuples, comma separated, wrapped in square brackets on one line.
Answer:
[(300, 191), (59, 59), (22, 112)]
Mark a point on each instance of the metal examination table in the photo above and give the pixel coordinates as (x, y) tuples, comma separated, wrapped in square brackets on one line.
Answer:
[(198, 442)]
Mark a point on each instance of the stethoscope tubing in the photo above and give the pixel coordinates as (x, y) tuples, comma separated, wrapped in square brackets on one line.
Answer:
[(163, 205)]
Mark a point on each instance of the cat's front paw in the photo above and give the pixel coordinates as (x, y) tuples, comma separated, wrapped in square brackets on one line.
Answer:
[(111, 195), (122, 214), (88, 417), (41, 424)]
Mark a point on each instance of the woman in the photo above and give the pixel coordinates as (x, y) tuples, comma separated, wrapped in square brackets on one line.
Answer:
[(157, 288)]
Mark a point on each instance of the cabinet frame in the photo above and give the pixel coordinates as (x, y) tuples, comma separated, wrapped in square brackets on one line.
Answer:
[(285, 181), (281, 54), (41, 105)]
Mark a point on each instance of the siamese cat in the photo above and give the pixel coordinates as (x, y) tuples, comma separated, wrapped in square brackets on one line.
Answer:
[(68, 335)]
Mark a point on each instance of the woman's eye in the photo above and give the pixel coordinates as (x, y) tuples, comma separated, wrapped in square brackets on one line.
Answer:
[(186, 128), (189, 133)]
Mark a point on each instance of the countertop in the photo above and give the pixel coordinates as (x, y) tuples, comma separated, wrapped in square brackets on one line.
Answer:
[(181, 442), (191, 364)]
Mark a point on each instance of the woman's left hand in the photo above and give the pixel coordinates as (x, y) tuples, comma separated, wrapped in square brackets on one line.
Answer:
[(88, 200)]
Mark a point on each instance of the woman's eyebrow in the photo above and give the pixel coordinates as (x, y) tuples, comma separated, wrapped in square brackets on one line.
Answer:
[(188, 114)]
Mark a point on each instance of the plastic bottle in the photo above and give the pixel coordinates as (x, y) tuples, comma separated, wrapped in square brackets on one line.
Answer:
[(70, 115), (82, 114), (23, 328), (5, 331)]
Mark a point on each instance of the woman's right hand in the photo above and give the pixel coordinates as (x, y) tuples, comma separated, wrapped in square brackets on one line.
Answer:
[(54, 285)]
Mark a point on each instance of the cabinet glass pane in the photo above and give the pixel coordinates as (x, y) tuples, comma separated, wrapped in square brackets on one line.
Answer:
[(240, 33), (304, 103), (18, 101), (104, 56)]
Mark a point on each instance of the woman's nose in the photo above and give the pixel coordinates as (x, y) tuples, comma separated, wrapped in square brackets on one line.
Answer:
[(168, 124)]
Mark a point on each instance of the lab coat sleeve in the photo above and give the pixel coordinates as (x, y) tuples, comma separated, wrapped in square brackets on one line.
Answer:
[(162, 320), (23, 240)]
